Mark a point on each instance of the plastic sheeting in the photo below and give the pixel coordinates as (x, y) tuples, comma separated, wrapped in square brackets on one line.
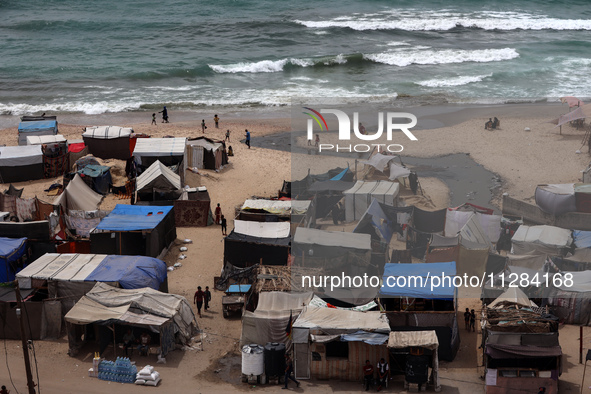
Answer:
[(582, 239), (262, 229), (134, 217), (371, 338), (11, 249), (429, 221), (158, 176), (278, 207), (45, 139), (339, 321), (78, 196), (418, 280), (159, 147), (544, 239), (17, 156), (556, 199), (359, 197), (131, 272), (107, 132), (310, 236)]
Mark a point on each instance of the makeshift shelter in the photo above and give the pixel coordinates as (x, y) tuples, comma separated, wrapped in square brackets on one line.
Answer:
[(474, 247), (12, 257), (32, 309), (386, 164), (270, 318), (97, 177), (169, 151), (544, 239), (250, 243), (359, 197), (135, 230), (522, 362), (334, 343), (78, 196), (36, 128), (46, 139), (514, 296), (108, 142), (556, 199), (21, 163), (429, 221), (456, 219), (203, 152), (400, 341), (157, 178), (300, 189), (382, 221), (56, 159), (168, 315), (583, 197), (262, 210)]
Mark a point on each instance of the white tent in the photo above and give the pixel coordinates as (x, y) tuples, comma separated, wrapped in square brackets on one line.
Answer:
[(359, 197), (78, 196), (262, 229), (107, 132), (46, 139), (158, 176), (514, 295), (21, 163), (383, 162), (544, 239), (148, 150), (309, 236)]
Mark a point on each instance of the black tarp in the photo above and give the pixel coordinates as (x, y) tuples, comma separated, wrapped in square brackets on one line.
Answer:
[(243, 250), (429, 221)]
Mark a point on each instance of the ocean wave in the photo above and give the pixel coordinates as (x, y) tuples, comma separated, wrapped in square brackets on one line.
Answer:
[(457, 81), (420, 20), (444, 56), (270, 66)]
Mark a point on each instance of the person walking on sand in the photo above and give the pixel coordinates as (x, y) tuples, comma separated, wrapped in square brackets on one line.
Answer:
[(228, 135), (218, 214), (4, 390), (216, 120), (317, 140), (206, 298), (224, 226), (367, 374), (467, 319), (198, 299), (203, 126), (289, 371), (473, 320), (154, 118), (247, 138), (164, 113)]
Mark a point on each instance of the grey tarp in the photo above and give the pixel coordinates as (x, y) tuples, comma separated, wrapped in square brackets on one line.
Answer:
[(78, 196), (544, 239), (523, 345), (556, 199), (340, 321), (425, 339)]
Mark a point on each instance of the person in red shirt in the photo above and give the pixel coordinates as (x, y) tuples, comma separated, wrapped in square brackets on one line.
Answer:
[(367, 374), (198, 299), (218, 214)]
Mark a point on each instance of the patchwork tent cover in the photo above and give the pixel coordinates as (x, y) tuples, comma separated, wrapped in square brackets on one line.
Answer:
[(37, 127), (278, 207), (130, 272), (544, 239), (419, 280), (382, 221), (78, 196), (143, 306), (340, 321), (108, 141), (11, 250), (134, 217), (360, 196), (158, 176), (159, 147)]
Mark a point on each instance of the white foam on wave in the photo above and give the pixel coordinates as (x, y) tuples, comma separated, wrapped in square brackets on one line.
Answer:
[(96, 108), (443, 56), (269, 66), (421, 20), (456, 81)]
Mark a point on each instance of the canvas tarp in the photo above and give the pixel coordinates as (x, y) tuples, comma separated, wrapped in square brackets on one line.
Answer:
[(277, 207), (106, 303), (359, 197), (339, 321), (262, 229), (107, 132), (11, 250), (438, 241), (46, 139), (383, 162), (425, 339), (581, 255), (429, 221), (20, 156), (268, 322), (416, 280), (158, 176), (556, 199), (320, 303), (78, 196), (146, 148), (339, 239), (522, 345), (532, 260), (474, 234), (544, 239), (514, 295), (108, 142)]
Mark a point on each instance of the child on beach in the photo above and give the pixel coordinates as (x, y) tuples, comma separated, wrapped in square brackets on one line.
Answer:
[(216, 120), (317, 140), (247, 138), (154, 118), (203, 126), (228, 135)]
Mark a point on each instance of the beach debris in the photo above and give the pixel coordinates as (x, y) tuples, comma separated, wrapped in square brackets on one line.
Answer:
[(527, 129), (177, 265), (187, 241), (182, 257), (183, 249), (170, 269)]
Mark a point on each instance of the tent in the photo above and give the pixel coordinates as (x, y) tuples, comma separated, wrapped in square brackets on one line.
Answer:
[(556, 199), (135, 230), (250, 243), (157, 178), (36, 128), (382, 221), (78, 196), (97, 177), (421, 280), (46, 139), (108, 142), (169, 151), (386, 165), (455, 220), (169, 315), (203, 152), (12, 250), (359, 197), (544, 239), (32, 309), (334, 343), (271, 316), (21, 163), (424, 339), (513, 295)]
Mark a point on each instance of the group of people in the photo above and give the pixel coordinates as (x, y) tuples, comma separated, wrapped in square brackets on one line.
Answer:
[(202, 297), (221, 220), (492, 124), (143, 344), (470, 320), (383, 371)]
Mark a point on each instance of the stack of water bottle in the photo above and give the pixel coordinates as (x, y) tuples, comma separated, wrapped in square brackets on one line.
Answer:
[(120, 371)]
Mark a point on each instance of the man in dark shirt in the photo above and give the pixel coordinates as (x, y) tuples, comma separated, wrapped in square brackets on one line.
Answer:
[(198, 299), (207, 297), (224, 226), (467, 319), (367, 374), (288, 371)]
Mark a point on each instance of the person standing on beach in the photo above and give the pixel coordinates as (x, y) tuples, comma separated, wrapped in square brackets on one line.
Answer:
[(317, 140), (218, 214), (203, 126), (154, 118), (198, 299), (216, 120), (4, 390), (228, 135), (224, 226), (467, 319), (164, 113), (247, 138), (206, 298), (473, 320)]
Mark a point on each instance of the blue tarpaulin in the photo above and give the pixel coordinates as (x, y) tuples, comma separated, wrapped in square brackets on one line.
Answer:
[(423, 280), (134, 217), (340, 176), (371, 338), (37, 125), (131, 272), (11, 249), (582, 238), (101, 177), (379, 219), (238, 289)]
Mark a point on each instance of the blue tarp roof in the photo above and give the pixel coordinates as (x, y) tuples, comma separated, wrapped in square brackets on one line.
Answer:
[(134, 217), (582, 238), (94, 171), (37, 125), (238, 289), (419, 280), (131, 272), (340, 175), (11, 249)]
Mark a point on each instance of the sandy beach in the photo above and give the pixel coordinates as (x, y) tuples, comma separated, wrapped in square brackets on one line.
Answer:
[(522, 159)]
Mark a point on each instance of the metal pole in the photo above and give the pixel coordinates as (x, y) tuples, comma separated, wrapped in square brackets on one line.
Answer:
[(583, 380), (581, 345), (30, 383)]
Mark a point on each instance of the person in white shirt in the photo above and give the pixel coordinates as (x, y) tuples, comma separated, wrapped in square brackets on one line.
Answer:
[(383, 371)]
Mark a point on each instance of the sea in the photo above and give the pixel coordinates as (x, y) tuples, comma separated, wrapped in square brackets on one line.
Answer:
[(96, 57)]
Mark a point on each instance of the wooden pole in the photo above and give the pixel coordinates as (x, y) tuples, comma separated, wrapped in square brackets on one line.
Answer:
[(581, 345), (19, 304), (583, 380)]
